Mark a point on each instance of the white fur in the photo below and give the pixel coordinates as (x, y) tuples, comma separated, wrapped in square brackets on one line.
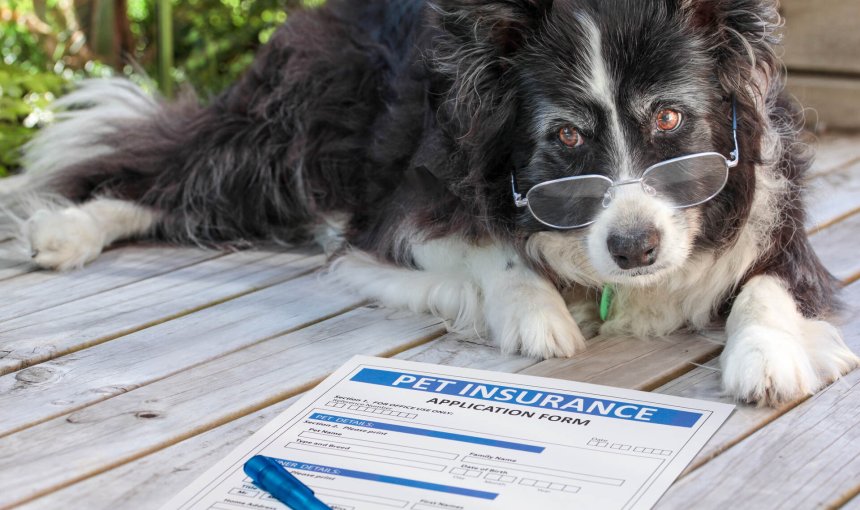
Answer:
[(474, 288), (82, 120), (446, 294), (774, 354), (69, 238), (328, 231), (603, 89), (14, 183)]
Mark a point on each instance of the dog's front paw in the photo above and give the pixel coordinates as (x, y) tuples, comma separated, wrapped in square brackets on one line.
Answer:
[(536, 322), (767, 366), (770, 366), (63, 240)]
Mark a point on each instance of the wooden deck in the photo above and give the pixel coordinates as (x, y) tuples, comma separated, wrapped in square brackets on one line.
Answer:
[(122, 382)]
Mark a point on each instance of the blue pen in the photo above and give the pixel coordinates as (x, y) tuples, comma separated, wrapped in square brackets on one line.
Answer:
[(277, 481)]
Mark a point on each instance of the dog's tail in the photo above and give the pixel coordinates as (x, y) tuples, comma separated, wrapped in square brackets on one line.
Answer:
[(83, 122), (262, 161), (197, 166)]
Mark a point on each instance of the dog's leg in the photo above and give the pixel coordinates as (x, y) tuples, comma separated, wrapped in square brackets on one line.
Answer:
[(69, 238), (524, 311), (774, 354), (446, 294), (473, 288)]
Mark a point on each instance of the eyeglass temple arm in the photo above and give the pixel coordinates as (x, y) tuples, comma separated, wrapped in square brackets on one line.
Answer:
[(519, 200), (735, 154)]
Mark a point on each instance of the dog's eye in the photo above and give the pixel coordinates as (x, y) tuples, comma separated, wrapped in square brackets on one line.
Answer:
[(668, 120), (570, 137)]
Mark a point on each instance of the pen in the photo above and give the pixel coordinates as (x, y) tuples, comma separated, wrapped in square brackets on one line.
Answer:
[(277, 481)]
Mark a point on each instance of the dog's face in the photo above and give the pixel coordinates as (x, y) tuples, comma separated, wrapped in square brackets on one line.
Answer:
[(610, 88)]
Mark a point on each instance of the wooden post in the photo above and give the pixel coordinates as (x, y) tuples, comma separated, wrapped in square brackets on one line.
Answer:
[(165, 47)]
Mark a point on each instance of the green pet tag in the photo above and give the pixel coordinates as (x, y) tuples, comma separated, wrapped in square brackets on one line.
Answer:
[(606, 301)]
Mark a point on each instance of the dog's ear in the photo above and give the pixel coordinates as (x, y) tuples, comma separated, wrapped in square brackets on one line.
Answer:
[(742, 35), (473, 51), (505, 24)]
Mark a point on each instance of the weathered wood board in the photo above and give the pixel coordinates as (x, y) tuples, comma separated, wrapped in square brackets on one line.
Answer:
[(821, 35), (90, 320), (830, 103)]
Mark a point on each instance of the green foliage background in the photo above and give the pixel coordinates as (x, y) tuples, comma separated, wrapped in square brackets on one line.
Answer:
[(46, 45)]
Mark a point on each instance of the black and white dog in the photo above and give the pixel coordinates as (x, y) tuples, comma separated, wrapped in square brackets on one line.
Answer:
[(485, 160)]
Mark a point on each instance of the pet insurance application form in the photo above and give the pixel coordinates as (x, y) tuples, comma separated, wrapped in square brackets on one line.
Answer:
[(380, 434)]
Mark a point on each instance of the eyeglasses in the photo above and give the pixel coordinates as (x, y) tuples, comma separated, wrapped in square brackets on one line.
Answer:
[(686, 181)]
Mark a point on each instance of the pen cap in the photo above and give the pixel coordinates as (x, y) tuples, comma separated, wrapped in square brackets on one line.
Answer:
[(272, 477)]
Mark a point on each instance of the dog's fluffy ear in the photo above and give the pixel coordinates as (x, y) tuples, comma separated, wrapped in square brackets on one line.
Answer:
[(505, 24), (742, 35), (477, 40)]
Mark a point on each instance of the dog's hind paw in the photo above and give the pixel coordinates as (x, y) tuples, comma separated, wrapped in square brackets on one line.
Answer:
[(64, 239), (770, 366)]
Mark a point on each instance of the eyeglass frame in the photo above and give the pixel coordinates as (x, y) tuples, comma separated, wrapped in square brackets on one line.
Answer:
[(521, 201)]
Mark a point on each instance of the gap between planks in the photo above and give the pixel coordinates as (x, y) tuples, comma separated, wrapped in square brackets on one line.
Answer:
[(87, 322), (114, 270)]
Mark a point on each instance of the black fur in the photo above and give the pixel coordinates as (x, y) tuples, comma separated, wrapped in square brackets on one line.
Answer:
[(411, 116)]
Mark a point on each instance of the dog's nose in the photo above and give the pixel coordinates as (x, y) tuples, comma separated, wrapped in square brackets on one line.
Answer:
[(637, 248)]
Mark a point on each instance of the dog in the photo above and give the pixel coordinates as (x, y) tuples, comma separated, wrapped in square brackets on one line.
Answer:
[(494, 162)]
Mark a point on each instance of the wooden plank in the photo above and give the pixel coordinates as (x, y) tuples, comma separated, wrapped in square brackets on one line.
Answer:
[(833, 245), (463, 351), (136, 484), (821, 35), (152, 480), (833, 196), (147, 419), (704, 383), (637, 363), (835, 152), (40, 290), (66, 328), (72, 382), (11, 266), (830, 102), (149, 482), (853, 500)]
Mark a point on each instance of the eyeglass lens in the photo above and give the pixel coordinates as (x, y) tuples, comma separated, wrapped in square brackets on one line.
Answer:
[(688, 181)]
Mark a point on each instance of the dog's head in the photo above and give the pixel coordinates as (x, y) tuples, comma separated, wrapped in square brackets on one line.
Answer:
[(611, 87)]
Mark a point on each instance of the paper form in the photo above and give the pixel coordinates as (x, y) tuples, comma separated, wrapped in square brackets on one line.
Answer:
[(381, 434)]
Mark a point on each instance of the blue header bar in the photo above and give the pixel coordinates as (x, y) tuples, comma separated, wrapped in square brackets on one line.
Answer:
[(549, 401)]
